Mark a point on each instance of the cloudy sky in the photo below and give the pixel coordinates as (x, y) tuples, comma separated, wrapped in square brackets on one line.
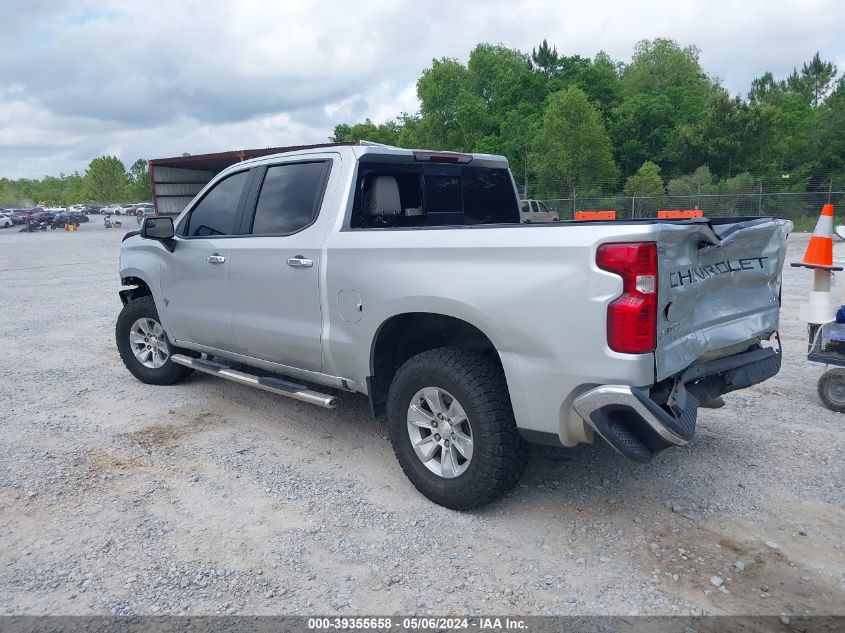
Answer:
[(150, 79)]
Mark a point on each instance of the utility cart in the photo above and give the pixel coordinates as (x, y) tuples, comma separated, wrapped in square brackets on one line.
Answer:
[(827, 345)]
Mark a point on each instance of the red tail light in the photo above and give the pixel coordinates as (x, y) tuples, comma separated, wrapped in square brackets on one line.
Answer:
[(632, 317)]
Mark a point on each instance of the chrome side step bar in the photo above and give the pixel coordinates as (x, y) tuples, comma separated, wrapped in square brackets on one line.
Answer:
[(265, 383)]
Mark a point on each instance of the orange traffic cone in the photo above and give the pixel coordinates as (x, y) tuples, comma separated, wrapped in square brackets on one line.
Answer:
[(819, 252)]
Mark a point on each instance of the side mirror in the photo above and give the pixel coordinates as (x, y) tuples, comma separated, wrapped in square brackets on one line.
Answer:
[(157, 229)]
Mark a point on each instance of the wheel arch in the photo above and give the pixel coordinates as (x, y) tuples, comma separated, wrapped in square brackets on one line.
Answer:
[(404, 335), (137, 287)]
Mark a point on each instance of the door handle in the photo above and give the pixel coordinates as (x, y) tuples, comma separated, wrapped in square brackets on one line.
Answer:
[(300, 262), (215, 259)]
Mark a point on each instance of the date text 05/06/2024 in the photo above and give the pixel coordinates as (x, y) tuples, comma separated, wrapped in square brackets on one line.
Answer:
[(417, 623)]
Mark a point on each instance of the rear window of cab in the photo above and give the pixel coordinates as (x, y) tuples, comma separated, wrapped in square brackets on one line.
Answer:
[(434, 195)]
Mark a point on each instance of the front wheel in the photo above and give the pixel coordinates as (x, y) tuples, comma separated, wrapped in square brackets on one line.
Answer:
[(143, 344), (452, 428)]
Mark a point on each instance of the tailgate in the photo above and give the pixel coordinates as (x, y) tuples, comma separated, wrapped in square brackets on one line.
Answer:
[(718, 288)]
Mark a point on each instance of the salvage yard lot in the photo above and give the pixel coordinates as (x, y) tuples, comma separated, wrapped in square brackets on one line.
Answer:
[(208, 497)]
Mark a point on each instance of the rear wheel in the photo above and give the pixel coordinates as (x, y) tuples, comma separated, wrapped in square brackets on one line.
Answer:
[(452, 428), (143, 344), (832, 389)]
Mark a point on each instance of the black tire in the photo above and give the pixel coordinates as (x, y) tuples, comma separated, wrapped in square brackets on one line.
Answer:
[(831, 389), (499, 452), (167, 374)]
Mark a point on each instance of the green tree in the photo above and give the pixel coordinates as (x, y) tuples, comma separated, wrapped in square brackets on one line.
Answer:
[(501, 77), (573, 149), (646, 182), (700, 181), (662, 88), (516, 139), (798, 85), (830, 134), (600, 81), (662, 66), (819, 76), (645, 188), (641, 129), (765, 89), (452, 116), (140, 181), (545, 60), (387, 133), (409, 134), (106, 179), (720, 137)]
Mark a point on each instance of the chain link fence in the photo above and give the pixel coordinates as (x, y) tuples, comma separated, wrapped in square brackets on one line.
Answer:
[(790, 197), (792, 206)]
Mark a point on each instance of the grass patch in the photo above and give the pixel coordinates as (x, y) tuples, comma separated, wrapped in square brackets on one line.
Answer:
[(804, 225)]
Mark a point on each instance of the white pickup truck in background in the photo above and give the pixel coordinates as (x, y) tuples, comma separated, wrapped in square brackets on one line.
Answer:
[(409, 277), (534, 211)]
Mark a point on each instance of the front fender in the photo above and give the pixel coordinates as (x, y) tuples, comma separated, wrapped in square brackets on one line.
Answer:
[(140, 264)]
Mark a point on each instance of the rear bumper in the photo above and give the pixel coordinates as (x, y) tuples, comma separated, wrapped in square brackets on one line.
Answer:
[(632, 423), (639, 424)]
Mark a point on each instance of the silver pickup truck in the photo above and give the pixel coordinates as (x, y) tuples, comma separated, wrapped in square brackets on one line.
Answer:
[(407, 276)]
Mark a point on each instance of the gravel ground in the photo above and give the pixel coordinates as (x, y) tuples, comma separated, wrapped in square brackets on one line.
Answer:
[(208, 497)]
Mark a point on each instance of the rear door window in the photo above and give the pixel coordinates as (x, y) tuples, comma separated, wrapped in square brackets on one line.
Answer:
[(217, 212), (290, 198)]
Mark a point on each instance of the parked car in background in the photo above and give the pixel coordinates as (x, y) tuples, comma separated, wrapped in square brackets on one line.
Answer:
[(84, 208), (62, 219), (142, 212), (44, 216), (7, 220), (20, 215), (23, 215), (535, 211), (112, 209)]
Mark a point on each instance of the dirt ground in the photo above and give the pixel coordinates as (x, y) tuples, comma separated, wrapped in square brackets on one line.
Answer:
[(208, 497)]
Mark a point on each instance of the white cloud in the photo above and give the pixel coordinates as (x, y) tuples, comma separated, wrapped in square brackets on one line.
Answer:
[(86, 77)]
